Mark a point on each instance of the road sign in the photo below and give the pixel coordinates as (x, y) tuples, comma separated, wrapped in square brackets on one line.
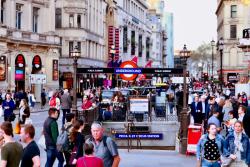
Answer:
[(128, 76), (37, 78)]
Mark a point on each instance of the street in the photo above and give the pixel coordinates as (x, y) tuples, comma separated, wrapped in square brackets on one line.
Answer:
[(135, 158)]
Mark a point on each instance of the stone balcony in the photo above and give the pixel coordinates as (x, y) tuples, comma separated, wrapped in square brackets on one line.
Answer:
[(30, 37)]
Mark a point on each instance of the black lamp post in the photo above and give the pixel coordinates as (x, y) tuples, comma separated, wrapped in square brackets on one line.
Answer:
[(112, 52), (185, 54), (75, 54), (220, 47), (212, 44)]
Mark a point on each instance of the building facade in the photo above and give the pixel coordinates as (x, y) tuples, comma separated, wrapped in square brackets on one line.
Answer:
[(232, 18), (154, 20), (28, 45), (134, 33), (80, 24)]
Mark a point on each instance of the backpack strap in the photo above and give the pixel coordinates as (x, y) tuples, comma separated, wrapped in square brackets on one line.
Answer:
[(104, 139)]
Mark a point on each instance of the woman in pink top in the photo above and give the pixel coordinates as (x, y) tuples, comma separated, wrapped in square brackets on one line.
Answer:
[(89, 160)]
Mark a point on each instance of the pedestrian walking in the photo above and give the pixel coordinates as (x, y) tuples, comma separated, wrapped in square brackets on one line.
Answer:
[(89, 159), (8, 107), (32, 99), (215, 120), (43, 98), (66, 104), (31, 153), (238, 147), (105, 147), (11, 151), (196, 110), (24, 111), (210, 148), (50, 129), (77, 139), (226, 108), (55, 102)]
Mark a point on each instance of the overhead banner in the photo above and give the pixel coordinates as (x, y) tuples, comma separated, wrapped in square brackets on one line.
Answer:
[(3, 68), (55, 72)]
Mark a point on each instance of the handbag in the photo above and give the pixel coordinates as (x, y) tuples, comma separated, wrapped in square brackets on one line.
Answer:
[(12, 117), (225, 161), (18, 128), (41, 142), (73, 155)]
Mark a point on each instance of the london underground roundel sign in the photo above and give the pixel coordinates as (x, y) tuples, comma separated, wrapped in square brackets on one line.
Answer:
[(128, 64)]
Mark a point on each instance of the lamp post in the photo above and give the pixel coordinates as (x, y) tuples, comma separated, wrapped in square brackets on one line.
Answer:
[(112, 52), (220, 47), (212, 44), (184, 113), (75, 54)]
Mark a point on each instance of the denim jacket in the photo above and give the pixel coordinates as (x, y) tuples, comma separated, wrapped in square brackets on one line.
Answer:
[(219, 140), (230, 147)]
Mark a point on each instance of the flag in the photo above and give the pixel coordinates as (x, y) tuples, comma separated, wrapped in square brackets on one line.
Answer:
[(135, 59), (149, 64)]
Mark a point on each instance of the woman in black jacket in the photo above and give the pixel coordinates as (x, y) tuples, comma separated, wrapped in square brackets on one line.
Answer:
[(24, 111), (77, 140)]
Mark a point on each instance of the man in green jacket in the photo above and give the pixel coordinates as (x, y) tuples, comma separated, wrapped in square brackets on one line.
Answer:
[(50, 129)]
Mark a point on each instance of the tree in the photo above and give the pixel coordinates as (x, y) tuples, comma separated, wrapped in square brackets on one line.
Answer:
[(201, 60)]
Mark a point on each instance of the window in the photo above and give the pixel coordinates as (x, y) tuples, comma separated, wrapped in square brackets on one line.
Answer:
[(2, 11), (79, 46), (35, 19), (71, 20), (79, 21), (140, 46), (233, 11), (71, 46), (58, 17), (233, 31), (18, 16)]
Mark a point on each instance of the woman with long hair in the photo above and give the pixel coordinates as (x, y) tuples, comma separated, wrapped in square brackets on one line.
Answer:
[(24, 111), (210, 148), (77, 139), (237, 144)]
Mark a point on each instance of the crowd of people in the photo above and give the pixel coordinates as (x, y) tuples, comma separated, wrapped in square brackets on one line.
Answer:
[(67, 144), (226, 122)]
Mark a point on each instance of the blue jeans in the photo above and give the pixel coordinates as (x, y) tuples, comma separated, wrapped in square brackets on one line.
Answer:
[(52, 154), (205, 163), (65, 111)]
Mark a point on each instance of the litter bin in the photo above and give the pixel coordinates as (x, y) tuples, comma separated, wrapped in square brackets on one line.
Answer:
[(194, 135)]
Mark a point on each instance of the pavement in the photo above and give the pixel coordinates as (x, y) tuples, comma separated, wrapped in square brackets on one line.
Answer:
[(134, 158)]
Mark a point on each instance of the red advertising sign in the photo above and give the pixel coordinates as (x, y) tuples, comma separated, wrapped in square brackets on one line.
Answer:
[(2, 68), (37, 63), (55, 72)]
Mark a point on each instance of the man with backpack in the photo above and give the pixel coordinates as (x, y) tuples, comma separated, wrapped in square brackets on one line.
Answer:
[(105, 147)]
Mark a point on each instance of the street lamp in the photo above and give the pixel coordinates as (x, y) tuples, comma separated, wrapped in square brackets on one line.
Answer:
[(185, 54), (212, 44), (220, 48), (75, 54)]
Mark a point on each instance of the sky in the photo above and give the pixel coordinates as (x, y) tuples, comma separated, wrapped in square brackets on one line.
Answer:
[(195, 22)]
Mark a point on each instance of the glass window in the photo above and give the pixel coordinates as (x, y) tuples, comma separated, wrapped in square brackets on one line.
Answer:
[(35, 19), (18, 15), (233, 31), (71, 20), (2, 11), (79, 21), (71, 46), (58, 17), (233, 11), (79, 46)]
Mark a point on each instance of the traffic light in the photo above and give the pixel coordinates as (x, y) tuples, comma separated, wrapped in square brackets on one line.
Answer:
[(205, 76)]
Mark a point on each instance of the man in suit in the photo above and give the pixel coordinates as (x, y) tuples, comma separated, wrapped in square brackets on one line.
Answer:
[(196, 110)]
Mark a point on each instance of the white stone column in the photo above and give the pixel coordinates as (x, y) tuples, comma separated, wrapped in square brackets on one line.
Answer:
[(27, 20)]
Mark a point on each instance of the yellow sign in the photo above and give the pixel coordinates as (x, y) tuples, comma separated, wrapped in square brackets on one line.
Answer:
[(246, 2)]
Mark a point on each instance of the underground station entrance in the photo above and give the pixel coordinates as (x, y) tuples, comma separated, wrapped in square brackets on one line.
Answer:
[(146, 117)]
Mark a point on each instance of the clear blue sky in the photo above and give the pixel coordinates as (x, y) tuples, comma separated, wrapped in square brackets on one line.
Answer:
[(195, 22)]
